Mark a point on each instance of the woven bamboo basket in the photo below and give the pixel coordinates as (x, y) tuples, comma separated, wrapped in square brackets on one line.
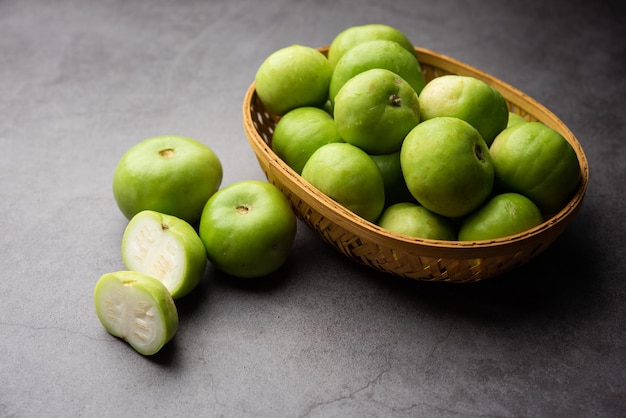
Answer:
[(399, 255)]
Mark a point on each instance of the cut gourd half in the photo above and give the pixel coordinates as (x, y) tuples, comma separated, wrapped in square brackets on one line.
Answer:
[(166, 248), (136, 308)]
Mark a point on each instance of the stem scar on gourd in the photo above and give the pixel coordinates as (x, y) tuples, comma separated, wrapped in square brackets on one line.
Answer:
[(395, 100), (167, 152), (479, 152), (242, 209)]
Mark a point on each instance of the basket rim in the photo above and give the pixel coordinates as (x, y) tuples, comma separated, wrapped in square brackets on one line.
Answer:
[(369, 230)]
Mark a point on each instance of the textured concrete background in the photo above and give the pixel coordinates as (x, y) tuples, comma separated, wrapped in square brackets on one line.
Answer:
[(82, 81)]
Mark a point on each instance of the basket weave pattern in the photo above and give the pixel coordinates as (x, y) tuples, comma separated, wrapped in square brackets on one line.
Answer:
[(419, 259)]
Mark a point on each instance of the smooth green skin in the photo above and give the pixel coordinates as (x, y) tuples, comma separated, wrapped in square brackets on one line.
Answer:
[(375, 110), (416, 221), (248, 229), (385, 54), (395, 186), (136, 308), (291, 77), (174, 175), (355, 35), (447, 166), (467, 98), (166, 248), (300, 132), (538, 162), (349, 176), (515, 119), (501, 216)]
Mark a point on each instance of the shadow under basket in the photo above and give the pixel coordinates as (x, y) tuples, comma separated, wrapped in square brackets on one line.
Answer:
[(414, 258)]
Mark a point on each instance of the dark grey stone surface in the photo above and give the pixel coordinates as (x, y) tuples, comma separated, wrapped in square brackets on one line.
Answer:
[(82, 81)]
